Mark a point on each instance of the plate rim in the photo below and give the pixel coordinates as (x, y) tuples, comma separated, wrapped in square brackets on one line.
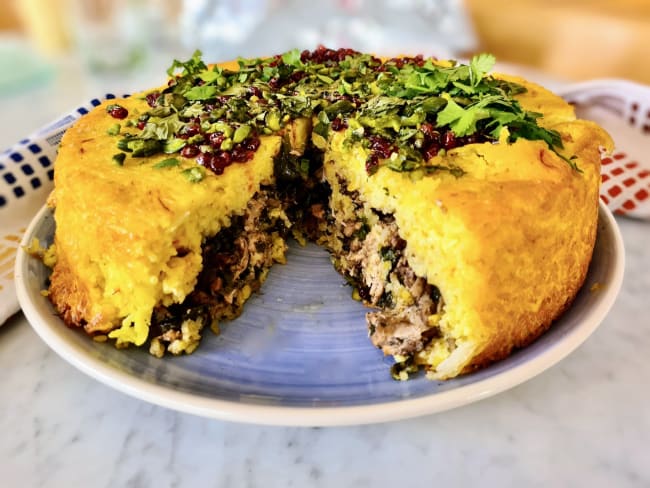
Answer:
[(265, 414)]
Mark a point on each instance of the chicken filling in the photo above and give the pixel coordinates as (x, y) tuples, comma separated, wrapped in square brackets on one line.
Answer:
[(368, 250), (235, 264)]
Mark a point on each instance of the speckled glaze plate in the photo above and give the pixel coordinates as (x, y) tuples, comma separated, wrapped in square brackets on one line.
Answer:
[(300, 355)]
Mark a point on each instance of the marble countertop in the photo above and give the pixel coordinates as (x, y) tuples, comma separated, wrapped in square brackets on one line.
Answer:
[(584, 422)]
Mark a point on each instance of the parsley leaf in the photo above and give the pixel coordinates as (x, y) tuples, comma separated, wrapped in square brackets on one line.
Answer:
[(191, 67), (480, 66), (462, 121), (210, 76), (203, 92), (292, 58)]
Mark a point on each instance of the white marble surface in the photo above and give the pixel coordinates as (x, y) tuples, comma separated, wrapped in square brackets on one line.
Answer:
[(584, 422)]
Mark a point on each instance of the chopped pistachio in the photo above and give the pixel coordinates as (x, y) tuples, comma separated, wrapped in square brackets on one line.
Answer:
[(194, 174), (166, 163), (119, 158), (272, 120), (122, 144), (241, 133), (144, 147), (174, 145), (222, 127)]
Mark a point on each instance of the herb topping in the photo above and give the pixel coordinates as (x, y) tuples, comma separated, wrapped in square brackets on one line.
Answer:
[(405, 111)]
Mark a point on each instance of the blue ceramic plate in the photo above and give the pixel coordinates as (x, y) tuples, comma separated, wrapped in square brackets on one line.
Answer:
[(299, 354)]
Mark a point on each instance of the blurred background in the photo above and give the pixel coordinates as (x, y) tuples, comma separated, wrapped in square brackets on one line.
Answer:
[(55, 54)]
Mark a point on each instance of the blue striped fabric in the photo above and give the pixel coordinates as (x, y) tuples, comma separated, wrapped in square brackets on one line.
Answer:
[(27, 165)]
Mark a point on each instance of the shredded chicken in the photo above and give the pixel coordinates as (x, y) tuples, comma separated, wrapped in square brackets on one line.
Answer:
[(373, 259), (235, 263), (403, 331)]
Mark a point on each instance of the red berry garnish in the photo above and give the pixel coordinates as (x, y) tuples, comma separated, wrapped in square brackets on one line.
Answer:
[(152, 98), (189, 151), (117, 111)]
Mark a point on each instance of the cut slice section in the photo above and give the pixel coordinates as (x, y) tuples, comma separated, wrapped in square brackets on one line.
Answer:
[(235, 264)]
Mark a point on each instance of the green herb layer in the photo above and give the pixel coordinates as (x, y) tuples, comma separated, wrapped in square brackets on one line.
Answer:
[(404, 110)]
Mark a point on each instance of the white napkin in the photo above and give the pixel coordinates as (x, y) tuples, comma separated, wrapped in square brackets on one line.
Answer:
[(622, 107), (26, 172)]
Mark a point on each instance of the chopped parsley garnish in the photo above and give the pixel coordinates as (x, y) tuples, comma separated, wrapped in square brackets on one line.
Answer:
[(405, 111)]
